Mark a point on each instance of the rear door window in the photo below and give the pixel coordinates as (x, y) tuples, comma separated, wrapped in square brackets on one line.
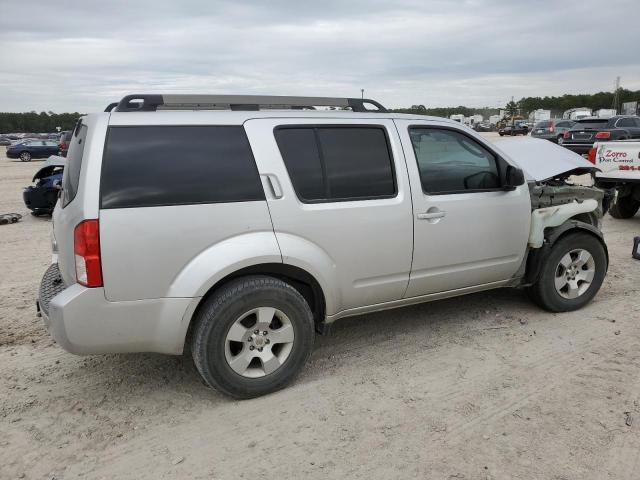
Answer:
[(71, 177), (177, 165), (337, 163)]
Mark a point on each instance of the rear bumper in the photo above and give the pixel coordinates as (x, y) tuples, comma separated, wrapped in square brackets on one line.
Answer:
[(578, 147), (82, 321)]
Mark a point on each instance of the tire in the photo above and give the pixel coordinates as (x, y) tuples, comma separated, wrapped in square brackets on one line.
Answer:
[(624, 207), (25, 157), (559, 139), (545, 292), (231, 312)]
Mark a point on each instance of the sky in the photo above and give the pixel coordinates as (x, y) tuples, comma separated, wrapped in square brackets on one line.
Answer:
[(82, 55)]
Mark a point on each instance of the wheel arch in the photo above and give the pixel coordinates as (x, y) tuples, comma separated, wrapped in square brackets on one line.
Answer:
[(304, 283), (537, 256)]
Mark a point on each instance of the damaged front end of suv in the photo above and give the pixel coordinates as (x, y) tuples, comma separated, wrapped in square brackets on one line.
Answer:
[(564, 198)]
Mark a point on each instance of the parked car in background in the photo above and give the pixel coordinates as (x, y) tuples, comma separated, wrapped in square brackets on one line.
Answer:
[(619, 164), (581, 137), (65, 138), (517, 129), (278, 208), (25, 150), (551, 130), (41, 198), (5, 141), (483, 127)]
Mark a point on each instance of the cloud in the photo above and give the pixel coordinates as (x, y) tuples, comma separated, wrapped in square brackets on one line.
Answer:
[(80, 56)]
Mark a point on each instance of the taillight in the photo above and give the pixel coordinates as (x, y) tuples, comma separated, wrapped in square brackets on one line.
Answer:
[(603, 135), (592, 155), (567, 135), (552, 128), (86, 246)]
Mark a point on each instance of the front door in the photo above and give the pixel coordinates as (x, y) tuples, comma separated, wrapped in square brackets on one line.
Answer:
[(468, 231)]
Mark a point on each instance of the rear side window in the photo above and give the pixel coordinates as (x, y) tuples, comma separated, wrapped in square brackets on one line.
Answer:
[(178, 165), (71, 177), (337, 163), (626, 122)]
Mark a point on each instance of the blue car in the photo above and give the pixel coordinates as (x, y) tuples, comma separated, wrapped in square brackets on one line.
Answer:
[(33, 148), (41, 198)]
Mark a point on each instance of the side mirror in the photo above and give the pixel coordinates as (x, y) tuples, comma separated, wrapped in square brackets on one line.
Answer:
[(514, 177)]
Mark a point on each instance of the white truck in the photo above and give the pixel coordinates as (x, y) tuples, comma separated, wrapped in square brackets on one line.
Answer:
[(619, 164)]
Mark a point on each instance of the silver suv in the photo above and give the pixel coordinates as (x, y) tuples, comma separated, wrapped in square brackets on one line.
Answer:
[(238, 226)]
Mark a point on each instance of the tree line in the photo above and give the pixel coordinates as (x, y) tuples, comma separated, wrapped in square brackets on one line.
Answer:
[(46, 122), (33, 122), (526, 105)]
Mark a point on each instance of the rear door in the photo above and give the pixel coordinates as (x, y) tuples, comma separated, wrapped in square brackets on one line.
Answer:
[(342, 190), (468, 231)]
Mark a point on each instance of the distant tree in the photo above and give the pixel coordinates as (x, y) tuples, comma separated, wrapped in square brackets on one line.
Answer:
[(511, 109)]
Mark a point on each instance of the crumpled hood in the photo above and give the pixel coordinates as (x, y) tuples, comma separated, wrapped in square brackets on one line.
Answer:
[(49, 166), (543, 160)]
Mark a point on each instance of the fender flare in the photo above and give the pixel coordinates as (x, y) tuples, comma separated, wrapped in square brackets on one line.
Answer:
[(537, 256)]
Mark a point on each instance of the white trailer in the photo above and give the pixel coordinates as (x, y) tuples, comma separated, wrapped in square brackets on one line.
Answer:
[(604, 113), (457, 117), (577, 113), (540, 115)]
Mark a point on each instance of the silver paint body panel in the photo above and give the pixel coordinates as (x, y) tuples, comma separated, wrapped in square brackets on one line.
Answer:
[(366, 255)]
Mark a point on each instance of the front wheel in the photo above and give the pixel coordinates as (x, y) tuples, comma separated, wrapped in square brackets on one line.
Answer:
[(25, 157), (253, 336), (624, 207), (572, 273)]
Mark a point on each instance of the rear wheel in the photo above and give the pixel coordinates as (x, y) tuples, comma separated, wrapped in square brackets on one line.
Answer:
[(624, 207), (25, 156), (572, 273), (252, 337)]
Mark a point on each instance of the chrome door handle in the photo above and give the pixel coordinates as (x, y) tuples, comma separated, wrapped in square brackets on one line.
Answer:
[(274, 184), (431, 215)]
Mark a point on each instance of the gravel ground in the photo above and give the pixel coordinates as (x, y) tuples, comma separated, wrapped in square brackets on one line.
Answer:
[(488, 387)]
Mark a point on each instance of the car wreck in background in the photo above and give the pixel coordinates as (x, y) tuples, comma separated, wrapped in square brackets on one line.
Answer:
[(41, 198)]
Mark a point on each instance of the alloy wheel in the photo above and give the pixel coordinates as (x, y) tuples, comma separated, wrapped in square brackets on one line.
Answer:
[(259, 342), (574, 273)]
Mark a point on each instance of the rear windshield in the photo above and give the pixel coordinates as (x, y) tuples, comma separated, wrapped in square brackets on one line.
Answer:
[(590, 124), (545, 124), (178, 165), (71, 177)]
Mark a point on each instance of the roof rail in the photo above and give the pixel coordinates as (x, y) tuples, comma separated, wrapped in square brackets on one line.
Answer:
[(111, 106), (153, 102)]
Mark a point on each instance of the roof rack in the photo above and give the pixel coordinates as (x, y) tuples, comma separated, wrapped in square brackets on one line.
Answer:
[(153, 102)]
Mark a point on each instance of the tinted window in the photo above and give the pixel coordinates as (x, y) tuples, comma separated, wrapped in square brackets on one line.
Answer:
[(626, 122), (177, 165), (594, 124), (449, 161), (71, 177), (564, 124), (545, 124), (337, 163), (299, 150)]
